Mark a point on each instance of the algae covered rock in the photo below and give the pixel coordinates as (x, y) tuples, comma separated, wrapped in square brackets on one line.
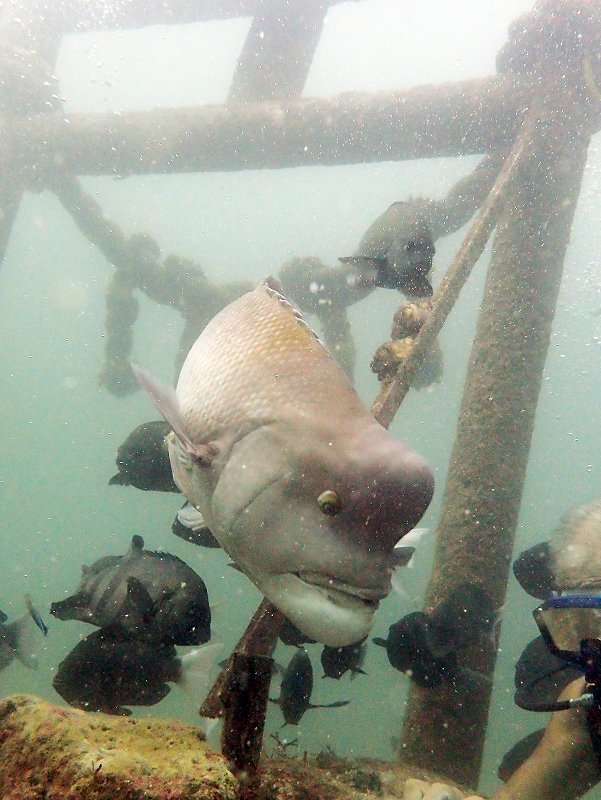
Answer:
[(49, 753)]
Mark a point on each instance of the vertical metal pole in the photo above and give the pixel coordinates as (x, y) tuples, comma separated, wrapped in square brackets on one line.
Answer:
[(444, 728), (29, 47), (278, 51)]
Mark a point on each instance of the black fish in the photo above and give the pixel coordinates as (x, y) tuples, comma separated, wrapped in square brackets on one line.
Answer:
[(409, 650), (109, 670), (399, 249), (290, 635), (17, 640), (533, 570), (296, 688), (143, 459), (338, 660), (426, 645), (155, 592)]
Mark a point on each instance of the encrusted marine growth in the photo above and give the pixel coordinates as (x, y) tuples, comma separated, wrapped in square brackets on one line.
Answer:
[(64, 754), (390, 356), (50, 752)]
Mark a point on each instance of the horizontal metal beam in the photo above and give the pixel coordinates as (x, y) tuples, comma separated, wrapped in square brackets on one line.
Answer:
[(79, 16), (446, 120)]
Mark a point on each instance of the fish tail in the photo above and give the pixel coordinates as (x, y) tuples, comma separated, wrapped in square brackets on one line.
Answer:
[(21, 635), (196, 668)]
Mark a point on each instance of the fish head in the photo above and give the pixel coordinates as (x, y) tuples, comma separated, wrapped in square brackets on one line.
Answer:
[(409, 259), (312, 516)]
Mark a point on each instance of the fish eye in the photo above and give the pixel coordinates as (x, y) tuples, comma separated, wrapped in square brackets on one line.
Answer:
[(329, 503)]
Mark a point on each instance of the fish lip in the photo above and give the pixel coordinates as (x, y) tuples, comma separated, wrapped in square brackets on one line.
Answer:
[(339, 590)]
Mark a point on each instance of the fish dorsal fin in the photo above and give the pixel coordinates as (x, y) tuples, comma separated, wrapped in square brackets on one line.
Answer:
[(275, 289), (165, 399)]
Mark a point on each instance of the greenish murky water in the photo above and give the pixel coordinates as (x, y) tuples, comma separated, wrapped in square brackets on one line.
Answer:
[(61, 432)]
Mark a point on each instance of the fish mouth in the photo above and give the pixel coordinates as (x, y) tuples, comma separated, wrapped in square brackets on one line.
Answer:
[(322, 607), (341, 593)]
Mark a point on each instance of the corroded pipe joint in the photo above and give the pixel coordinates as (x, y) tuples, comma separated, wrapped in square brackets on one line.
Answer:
[(410, 318), (389, 357), (558, 38)]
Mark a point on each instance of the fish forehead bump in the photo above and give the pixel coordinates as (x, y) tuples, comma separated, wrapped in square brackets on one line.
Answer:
[(256, 358)]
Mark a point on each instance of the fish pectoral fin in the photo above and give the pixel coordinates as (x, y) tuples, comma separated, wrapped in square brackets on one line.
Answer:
[(139, 600), (165, 399), (120, 479), (202, 455)]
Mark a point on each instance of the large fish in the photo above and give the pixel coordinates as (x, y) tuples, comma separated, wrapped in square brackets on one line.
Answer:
[(302, 488)]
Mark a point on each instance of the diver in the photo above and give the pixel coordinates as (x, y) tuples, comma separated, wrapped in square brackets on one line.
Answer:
[(565, 761), (563, 766)]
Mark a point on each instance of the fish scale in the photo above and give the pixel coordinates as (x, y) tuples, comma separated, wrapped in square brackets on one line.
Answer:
[(277, 361)]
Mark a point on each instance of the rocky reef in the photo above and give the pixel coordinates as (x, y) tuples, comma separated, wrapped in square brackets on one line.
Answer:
[(47, 753), (53, 753)]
